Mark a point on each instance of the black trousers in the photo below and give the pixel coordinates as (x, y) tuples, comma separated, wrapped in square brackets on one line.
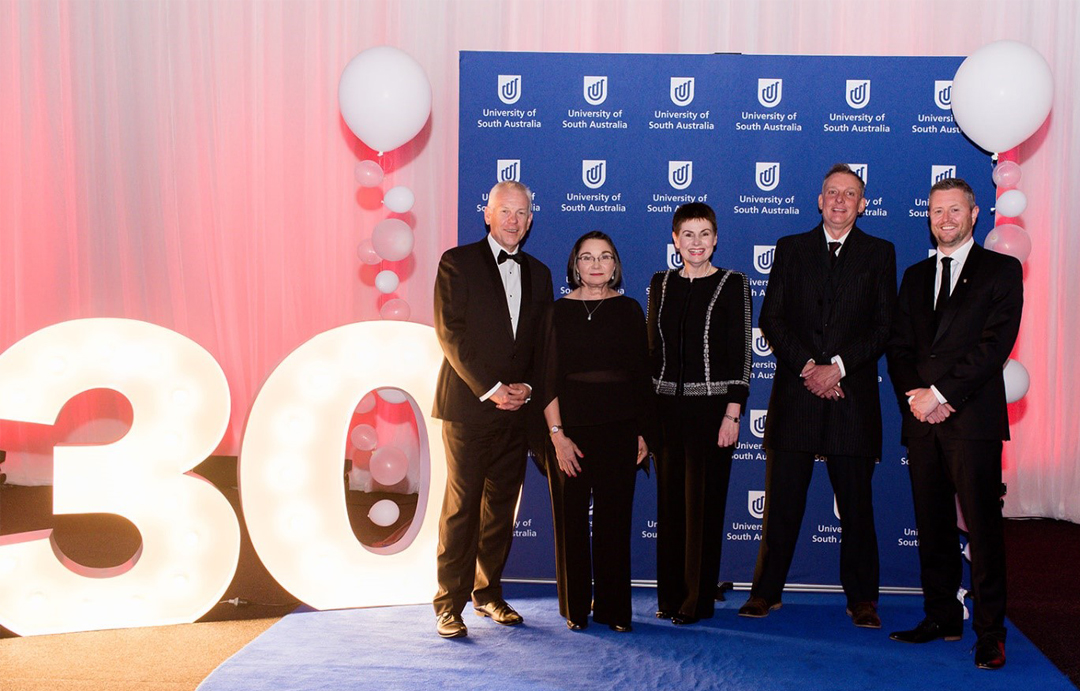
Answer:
[(692, 483), (970, 470), (599, 575), (485, 467), (787, 479)]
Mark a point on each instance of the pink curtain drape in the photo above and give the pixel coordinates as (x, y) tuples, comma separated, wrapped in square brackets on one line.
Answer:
[(183, 162)]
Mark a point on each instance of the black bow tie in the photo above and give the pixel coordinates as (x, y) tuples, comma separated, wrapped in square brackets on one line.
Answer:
[(504, 255)]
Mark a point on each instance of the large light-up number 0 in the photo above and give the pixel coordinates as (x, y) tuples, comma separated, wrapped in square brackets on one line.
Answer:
[(190, 535), (291, 484)]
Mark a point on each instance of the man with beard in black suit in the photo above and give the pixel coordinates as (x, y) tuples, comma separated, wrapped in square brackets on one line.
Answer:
[(957, 318)]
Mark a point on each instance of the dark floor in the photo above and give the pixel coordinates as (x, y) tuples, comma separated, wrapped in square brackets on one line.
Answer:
[(1043, 555), (1044, 588)]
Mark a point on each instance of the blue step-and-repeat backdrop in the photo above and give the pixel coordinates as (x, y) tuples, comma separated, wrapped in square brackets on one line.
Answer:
[(617, 142)]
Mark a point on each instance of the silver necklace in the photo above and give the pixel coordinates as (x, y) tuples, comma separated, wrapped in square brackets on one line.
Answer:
[(592, 311)]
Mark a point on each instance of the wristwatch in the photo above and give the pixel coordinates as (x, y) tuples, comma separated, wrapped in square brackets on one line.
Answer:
[(554, 429)]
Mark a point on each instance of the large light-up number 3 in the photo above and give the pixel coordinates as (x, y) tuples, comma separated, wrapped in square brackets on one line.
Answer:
[(190, 535)]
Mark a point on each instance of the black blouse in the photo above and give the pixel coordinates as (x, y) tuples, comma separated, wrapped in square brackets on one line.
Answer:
[(699, 335), (598, 363)]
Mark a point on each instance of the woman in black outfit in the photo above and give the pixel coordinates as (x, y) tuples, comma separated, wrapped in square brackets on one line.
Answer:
[(599, 394), (699, 346)]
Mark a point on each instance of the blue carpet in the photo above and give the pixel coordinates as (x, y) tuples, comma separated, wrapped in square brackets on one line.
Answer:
[(809, 643)]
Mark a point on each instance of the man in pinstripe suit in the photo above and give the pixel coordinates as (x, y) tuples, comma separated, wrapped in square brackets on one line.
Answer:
[(826, 314)]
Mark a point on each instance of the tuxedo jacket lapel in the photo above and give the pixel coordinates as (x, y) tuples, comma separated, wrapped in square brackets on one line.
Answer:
[(498, 291), (847, 262), (958, 294), (525, 311)]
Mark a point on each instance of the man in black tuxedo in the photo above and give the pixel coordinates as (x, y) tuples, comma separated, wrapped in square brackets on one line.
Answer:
[(490, 300), (956, 322), (826, 314)]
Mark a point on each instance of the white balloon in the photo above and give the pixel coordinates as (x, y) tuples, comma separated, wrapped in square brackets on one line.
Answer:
[(385, 97), (395, 308), (392, 239), (1017, 381), (386, 281), (364, 437), (391, 395), (384, 512), (1001, 94), (399, 199), (1011, 203)]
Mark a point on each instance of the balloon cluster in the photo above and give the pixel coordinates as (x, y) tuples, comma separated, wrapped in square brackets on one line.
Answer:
[(1001, 95), (385, 99), (378, 466)]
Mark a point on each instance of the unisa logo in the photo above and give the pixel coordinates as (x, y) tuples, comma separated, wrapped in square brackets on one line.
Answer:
[(760, 344), (763, 258), (943, 93), (755, 503), (857, 93), (593, 173), (682, 90), (769, 92), (860, 169), (767, 175), (674, 259), (757, 422), (509, 88), (939, 173), (680, 174), (595, 90), (508, 169)]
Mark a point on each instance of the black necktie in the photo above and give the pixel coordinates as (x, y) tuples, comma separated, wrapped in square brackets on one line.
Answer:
[(504, 255), (834, 249), (943, 289)]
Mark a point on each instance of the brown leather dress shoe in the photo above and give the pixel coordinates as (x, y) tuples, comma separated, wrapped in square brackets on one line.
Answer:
[(927, 631), (500, 612), (757, 608), (864, 615), (450, 625), (989, 653)]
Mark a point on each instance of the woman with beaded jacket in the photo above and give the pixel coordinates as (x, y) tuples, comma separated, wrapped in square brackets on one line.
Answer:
[(699, 347)]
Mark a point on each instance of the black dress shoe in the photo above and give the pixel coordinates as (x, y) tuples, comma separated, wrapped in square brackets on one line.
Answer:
[(576, 626), (684, 620), (664, 614), (989, 653), (864, 615), (756, 607), (927, 631), (621, 628), (500, 613), (450, 625)]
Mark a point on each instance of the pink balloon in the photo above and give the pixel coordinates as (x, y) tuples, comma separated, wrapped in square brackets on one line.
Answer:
[(396, 309), (1011, 240), (364, 437), (368, 174), (389, 465), (1007, 174), (366, 404), (366, 251), (392, 239)]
